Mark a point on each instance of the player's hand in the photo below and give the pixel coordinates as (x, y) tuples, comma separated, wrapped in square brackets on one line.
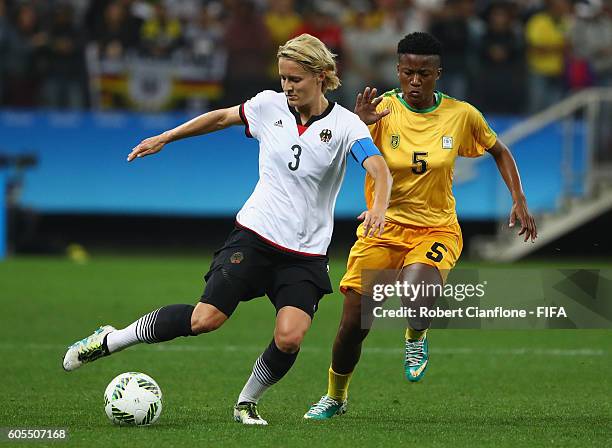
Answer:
[(365, 106), (373, 222), (147, 147), (528, 225)]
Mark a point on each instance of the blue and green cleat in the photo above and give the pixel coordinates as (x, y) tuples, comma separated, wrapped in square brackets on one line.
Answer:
[(326, 408), (417, 358), (87, 349)]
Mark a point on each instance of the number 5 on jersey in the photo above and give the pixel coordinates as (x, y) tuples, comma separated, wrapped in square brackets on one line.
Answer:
[(419, 163)]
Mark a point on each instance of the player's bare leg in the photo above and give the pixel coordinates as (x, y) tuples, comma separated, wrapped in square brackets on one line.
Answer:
[(351, 333), (345, 356), (163, 324), (416, 345)]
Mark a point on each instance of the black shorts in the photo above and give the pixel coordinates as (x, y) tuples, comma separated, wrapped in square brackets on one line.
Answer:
[(247, 267)]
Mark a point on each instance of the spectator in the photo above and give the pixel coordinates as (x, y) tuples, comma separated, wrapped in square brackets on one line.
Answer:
[(592, 39), (524, 9), (25, 61), (64, 83), (184, 10), (501, 62), (204, 34), (359, 51), (458, 29), (282, 23), (410, 15), (393, 19), (592, 42), (95, 18), (362, 32), (4, 46), (248, 48), (546, 37), (320, 22), (161, 34), (114, 35)]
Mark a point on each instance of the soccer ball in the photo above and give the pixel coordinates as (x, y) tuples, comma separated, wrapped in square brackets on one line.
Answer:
[(133, 398)]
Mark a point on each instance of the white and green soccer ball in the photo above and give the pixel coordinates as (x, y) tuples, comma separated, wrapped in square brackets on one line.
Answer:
[(133, 398)]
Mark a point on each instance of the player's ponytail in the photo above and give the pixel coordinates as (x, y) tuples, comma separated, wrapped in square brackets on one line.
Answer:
[(314, 56)]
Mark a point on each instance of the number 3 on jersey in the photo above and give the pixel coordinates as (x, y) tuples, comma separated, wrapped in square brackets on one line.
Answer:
[(297, 152)]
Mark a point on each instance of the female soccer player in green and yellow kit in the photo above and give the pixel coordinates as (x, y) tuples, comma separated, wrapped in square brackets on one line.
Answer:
[(420, 133)]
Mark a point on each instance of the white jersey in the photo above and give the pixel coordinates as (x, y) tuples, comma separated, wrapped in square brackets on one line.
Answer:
[(301, 168)]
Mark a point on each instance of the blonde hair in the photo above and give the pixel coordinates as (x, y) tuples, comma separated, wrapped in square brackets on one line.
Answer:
[(314, 56)]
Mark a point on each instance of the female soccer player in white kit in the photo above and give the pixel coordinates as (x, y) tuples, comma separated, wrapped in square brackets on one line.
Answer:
[(278, 247)]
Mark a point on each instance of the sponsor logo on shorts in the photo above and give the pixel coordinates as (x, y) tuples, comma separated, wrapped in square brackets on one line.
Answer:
[(236, 258)]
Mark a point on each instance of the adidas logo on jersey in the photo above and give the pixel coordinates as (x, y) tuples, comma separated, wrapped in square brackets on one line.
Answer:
[(279, 123)]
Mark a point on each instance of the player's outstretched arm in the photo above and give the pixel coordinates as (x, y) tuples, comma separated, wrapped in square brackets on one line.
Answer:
[(374, 218), (203, 124), (507, 167), (365, 106)]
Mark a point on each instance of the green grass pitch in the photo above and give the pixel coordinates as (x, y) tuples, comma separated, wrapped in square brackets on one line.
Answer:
[(482, 388)]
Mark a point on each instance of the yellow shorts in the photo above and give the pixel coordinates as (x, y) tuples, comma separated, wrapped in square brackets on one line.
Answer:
[(399, 246)]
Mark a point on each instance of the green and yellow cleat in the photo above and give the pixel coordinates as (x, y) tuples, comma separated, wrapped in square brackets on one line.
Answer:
[(326, 408), (417, 358), (87, 350)]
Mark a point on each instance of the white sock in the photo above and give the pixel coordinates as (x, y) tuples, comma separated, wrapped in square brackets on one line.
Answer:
[(120, 339), (263, 375), (252, 390), (142, 330)]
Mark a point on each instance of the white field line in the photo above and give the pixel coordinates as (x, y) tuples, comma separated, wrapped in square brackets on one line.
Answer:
[(383, 351)]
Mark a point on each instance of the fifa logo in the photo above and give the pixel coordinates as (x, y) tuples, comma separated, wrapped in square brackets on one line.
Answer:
[(395, 141), (325, 135), (447, 142)]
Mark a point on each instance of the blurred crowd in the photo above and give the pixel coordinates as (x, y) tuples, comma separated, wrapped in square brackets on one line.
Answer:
[(507, 57)]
